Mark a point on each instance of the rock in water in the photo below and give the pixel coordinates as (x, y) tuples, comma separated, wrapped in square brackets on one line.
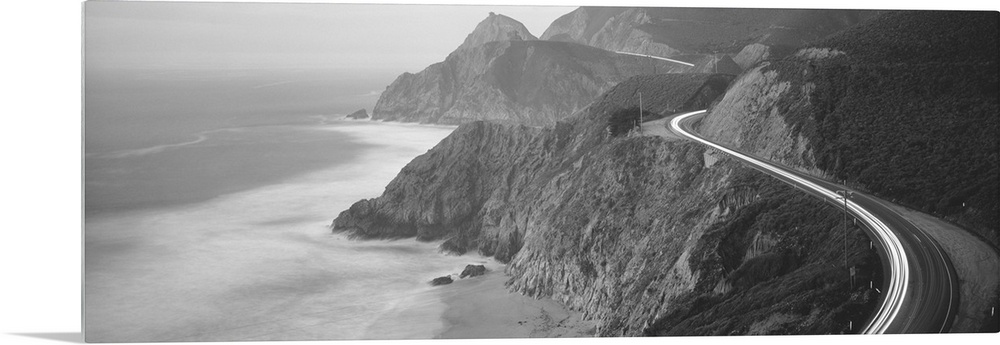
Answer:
[(472, 271), (358, 115), (441, 281)]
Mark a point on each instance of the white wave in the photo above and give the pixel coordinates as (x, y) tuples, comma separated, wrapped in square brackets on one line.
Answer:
[(261, 86), (261, 264), (201, 136)]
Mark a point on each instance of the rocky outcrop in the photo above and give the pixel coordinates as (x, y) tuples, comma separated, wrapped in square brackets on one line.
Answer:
[(751, 55), (535, 83), (445, 280), (358, 115), (745, 118), (496, 27), (473, 271)]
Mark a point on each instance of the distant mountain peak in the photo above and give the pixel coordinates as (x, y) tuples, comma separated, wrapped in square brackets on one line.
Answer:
[(497, 27)]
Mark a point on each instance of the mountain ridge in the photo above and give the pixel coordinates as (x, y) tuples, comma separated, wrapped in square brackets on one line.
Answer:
[(667, 31), (535, 83)]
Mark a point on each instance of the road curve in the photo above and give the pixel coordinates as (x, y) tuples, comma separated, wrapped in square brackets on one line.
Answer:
[(921, 292)]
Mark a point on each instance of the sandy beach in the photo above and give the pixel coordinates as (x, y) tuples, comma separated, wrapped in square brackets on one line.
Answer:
[(481, 307)]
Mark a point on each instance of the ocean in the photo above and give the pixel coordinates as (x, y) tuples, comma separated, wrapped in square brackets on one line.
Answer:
[(208, 196)]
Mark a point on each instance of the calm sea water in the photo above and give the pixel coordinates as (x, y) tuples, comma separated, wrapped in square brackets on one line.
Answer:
[(208, 197)]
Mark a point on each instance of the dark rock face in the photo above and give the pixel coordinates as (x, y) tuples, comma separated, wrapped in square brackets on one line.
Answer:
[(441, 281), (473, 271), (358, 115)]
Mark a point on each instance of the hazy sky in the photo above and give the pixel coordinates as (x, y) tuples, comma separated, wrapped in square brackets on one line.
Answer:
[(251, 35)]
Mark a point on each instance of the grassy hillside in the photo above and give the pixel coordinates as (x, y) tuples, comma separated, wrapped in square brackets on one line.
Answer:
[(910, 112)]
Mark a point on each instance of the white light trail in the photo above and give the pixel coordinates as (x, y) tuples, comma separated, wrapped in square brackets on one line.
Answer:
[(659, 58), (898, 264)]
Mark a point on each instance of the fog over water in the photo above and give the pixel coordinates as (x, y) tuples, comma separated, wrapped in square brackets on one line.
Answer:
[(217, 229), (261, 263)]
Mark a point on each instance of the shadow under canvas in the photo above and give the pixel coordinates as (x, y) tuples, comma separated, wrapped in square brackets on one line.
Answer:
[(68, 337)]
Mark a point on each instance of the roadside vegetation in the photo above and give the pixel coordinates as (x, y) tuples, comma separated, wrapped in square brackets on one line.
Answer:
[(910, 112), (776, 266)]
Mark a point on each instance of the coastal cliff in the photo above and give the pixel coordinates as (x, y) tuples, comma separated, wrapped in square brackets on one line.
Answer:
[(651, 236), (642, 234), (503, 74)]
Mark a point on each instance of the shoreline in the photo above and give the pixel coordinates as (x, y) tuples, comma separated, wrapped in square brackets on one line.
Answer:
[(481, 307), (264, 258)]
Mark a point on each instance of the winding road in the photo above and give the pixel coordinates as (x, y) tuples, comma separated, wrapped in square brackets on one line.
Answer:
[(658, 58), (920, 294)]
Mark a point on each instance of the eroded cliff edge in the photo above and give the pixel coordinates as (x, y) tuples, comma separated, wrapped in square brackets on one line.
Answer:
[(645, 235)]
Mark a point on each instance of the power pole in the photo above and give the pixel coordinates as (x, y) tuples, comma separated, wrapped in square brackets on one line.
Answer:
[(845, 229), (640, 113), (845, 194), (652, 62), (715, 63)]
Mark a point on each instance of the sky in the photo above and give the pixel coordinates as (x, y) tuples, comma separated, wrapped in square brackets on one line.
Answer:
[(281, 35)]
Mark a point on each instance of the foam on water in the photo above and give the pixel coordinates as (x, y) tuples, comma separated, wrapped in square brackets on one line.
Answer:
[(262, 265)]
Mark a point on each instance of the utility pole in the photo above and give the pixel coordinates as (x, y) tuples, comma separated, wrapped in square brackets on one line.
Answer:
[(652, 62), (715, 62), (845, 194), (640, 113)]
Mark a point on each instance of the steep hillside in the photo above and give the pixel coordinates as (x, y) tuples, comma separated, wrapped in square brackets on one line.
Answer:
[(676, 31), (641, 234), (904, 106), (443, 208), (525, 82)]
